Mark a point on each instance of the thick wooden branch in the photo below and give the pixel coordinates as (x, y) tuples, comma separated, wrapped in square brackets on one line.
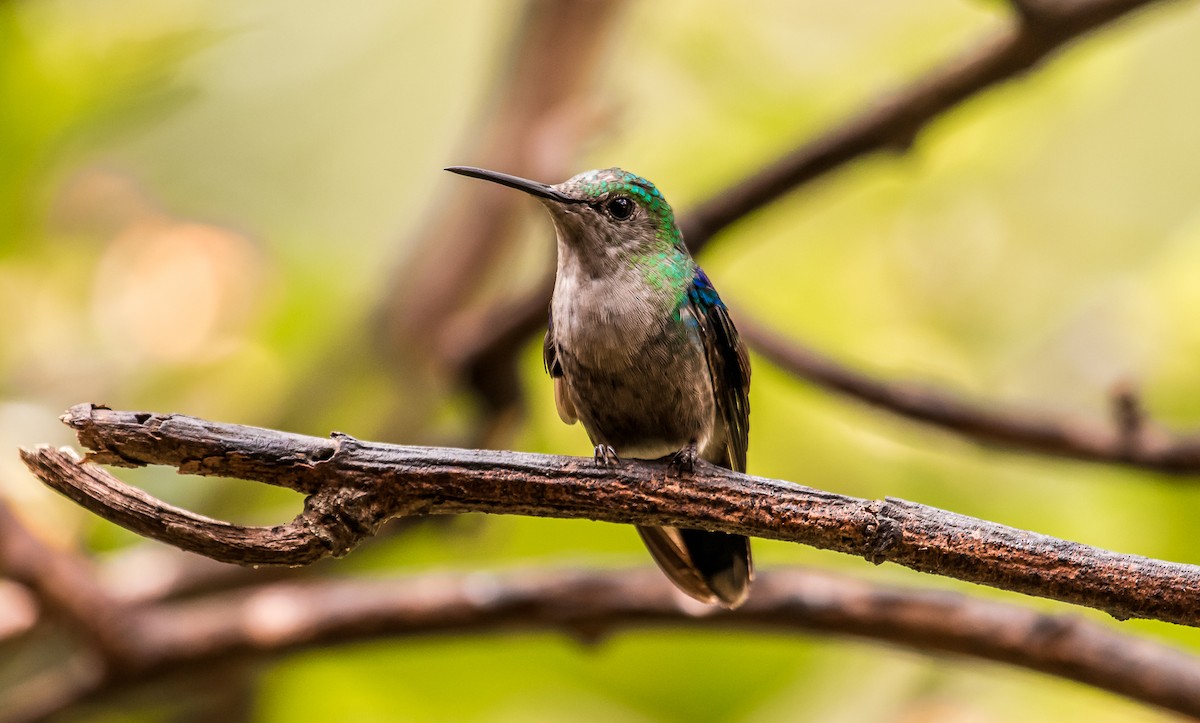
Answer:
[(355, 486), (274, 619), (1129, 440)]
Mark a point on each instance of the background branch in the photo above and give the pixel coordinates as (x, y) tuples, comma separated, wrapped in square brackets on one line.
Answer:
[(893, 122), (356, 486), (278, 618), (1128, 441), (64, 584)]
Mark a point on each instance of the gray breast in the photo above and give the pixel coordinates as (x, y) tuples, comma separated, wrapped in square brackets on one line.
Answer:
[(638, 377)]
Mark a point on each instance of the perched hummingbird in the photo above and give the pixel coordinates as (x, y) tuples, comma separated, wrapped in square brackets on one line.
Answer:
[(643, 352)]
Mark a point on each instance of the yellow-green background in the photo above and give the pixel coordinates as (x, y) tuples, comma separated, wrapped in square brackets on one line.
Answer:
[(201, 202)]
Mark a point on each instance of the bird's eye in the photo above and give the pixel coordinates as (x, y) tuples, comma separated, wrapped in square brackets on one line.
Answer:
[(619, 207)]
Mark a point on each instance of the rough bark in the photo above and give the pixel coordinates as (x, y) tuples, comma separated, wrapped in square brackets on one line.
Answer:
[(353, 487)]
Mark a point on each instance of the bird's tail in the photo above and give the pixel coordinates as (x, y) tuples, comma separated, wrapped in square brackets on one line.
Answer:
[(713, 567)]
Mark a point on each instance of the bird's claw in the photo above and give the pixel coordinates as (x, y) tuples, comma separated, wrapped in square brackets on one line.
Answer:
[(685, 459), (605, 455)]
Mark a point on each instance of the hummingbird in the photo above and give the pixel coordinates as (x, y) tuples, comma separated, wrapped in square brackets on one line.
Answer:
[(643, 352)]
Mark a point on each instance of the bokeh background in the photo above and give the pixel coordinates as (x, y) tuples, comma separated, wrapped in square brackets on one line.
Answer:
[(221, 208)]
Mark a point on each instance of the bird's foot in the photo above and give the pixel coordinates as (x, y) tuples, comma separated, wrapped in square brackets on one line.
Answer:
[(685, 459), (605, 455)]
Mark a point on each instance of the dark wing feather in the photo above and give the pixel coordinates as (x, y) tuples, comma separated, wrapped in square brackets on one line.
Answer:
[(566, 410), (550, 352), (728, 366), (712, 567)]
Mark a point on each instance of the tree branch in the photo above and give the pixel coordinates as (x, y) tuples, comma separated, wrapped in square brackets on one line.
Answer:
[(355, 486), (1045, 27), (64, 583), (279, 618), (1129, 441), (590, 605)]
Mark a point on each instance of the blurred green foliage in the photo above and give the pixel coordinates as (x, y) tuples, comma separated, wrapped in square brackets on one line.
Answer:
[(201, 202)]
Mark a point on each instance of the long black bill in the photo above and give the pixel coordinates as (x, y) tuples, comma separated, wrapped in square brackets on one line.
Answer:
[(531, 187)]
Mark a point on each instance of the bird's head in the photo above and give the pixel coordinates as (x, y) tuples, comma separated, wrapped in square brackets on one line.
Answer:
[(602, 215)]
